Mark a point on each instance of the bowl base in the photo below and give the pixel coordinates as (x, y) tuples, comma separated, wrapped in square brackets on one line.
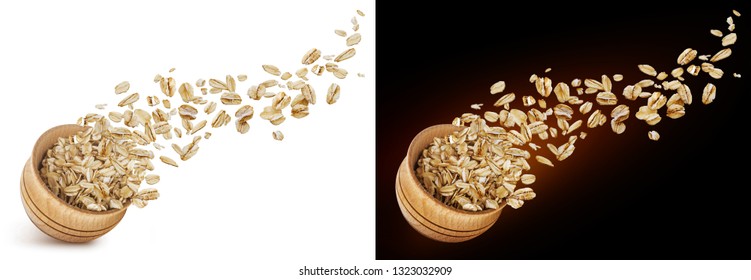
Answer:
[(425, 226)]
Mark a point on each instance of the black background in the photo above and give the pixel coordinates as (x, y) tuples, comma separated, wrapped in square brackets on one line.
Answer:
[(618, 196)]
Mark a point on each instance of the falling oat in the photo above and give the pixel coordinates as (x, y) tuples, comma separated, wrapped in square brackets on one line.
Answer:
[(122, 87), (647, 69), (729, 39), (497, 87)]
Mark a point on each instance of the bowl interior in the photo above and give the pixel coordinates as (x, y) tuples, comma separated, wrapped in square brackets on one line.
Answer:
[(418, 144), (44, 143)]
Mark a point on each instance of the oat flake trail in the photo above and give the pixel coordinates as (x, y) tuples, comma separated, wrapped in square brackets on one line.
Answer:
[(479, 166), (131, 133)]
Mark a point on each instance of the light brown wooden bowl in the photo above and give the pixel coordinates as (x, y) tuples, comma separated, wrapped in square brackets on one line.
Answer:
[(429, 216), (51, 214)]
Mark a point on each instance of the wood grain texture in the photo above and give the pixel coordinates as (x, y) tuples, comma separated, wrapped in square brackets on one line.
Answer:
[(51, 214), (429, 216)]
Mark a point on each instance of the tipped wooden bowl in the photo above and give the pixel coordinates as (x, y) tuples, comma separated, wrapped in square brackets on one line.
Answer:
[(429, 216), (51, 214)]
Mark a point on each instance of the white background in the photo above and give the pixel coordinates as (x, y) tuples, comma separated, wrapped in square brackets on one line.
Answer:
[(245, 205)]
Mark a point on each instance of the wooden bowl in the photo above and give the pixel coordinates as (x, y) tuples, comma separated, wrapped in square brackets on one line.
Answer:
[(429, 216), (51, 214)]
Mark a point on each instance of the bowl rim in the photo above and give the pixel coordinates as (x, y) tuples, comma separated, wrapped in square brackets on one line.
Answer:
[(413, 177), (36, 164)]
